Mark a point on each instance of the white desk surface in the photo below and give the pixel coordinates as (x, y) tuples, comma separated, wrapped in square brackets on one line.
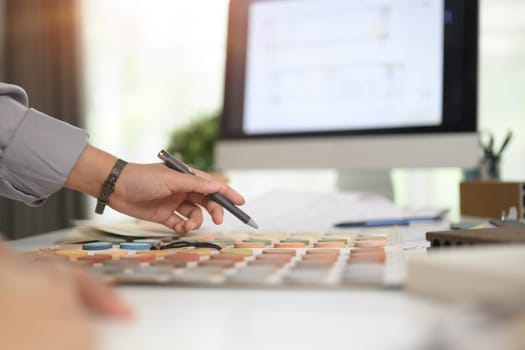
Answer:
[(231, 319)]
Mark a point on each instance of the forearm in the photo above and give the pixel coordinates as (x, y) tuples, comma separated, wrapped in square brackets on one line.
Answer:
[(90, 171)]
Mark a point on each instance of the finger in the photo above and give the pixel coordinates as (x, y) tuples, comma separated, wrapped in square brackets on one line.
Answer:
[(213, 208), (180, 229), (99, 297), (234, 196), (174, 221), (205, 184), (193, 213)]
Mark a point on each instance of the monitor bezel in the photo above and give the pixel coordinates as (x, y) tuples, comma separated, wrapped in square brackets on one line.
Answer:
[(459, 88)]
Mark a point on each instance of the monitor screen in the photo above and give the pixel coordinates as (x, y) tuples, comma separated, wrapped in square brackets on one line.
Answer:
[(343, 70)]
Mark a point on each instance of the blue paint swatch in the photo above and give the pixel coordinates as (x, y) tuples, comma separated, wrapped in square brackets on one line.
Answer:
[(97, 246), (135, 246)]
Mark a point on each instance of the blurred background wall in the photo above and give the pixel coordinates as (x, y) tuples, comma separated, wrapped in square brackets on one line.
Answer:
[(132, 71), (162, 64), (40, 53)]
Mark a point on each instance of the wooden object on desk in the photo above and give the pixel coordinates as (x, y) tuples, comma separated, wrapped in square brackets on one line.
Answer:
[(479, 236), (487, 199)]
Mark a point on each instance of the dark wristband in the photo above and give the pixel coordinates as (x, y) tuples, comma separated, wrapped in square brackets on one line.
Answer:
[(109, 186)]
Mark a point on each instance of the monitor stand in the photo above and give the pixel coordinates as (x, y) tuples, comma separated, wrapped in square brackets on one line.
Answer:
[(376, 181)]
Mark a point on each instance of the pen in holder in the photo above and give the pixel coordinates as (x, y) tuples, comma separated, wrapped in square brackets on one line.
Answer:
[(490, 163)]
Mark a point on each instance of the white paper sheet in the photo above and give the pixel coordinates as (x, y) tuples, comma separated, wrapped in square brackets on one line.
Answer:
[(299, 211)]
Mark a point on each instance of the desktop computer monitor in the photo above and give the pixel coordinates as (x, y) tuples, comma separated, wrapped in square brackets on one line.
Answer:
[(350, 84)]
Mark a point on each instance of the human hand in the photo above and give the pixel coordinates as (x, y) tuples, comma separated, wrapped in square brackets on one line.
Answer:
[(152, 191), (156, 193), (44, 305)]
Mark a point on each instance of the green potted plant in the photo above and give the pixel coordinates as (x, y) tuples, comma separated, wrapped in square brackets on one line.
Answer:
[(194, 143)]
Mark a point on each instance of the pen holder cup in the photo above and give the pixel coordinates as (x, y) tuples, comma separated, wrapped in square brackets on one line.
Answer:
[(488, 169)]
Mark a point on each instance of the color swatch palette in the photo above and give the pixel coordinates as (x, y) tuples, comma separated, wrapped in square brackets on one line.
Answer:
[(273, 259)]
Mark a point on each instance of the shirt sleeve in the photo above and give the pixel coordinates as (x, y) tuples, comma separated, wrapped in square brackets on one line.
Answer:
[(37, 152)]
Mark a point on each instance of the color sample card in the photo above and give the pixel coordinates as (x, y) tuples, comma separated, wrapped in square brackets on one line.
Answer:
[(339, 259)]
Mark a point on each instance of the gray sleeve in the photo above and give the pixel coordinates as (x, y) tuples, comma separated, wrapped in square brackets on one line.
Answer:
[(37, 152)]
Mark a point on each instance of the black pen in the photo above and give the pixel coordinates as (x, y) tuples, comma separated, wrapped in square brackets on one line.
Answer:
[(172, 163), (505, 143)]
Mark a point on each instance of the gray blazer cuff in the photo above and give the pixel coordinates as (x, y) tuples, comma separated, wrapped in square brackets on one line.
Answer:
[(39, 157)]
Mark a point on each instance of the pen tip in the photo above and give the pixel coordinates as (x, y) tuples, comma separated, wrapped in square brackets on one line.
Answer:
[(252, 224)]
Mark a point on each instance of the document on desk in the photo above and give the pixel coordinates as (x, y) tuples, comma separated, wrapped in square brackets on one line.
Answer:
[(300, 211), (115, 231)]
